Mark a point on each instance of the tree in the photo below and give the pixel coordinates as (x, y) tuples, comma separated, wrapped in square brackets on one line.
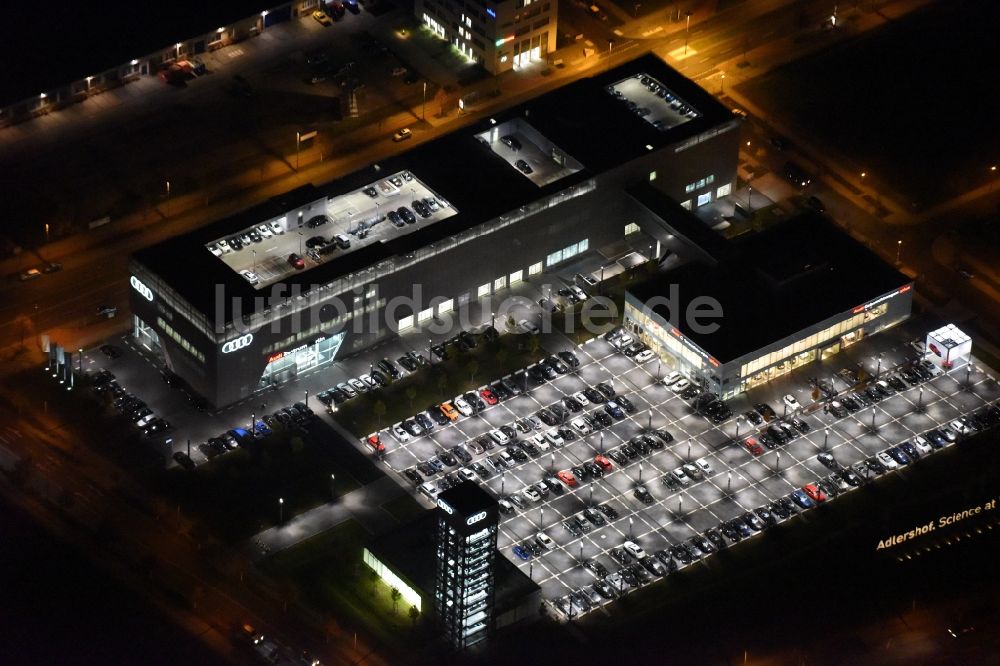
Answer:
[(533, 344), (395, 594), (473, 368), (379, 409), (414, 614), (511, 323), (502, 355), (411, 393)]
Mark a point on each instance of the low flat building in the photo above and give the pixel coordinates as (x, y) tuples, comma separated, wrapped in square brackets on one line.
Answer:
[(799, 291)]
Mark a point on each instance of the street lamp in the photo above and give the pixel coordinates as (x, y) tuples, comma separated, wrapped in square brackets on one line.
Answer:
[(281, 510), (168, 200), (298, 142), (423, 109), (333, 478), (723, 90), (899, 248), (687, 32)]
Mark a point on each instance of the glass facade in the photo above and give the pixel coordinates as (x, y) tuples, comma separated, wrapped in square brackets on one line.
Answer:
[(286, 365), (408, 594)]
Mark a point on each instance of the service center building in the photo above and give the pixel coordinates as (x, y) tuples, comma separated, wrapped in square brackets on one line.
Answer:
[(797, 292), (489, 205)]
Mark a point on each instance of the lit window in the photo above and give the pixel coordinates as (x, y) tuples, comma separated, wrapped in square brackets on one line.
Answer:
[(500, 283), (686, 204), (724, 190), (652, 175), (631, 228), (535, 269), (483, 290)]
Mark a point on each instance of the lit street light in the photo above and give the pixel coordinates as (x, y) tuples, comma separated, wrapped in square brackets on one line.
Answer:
[(333, 478), (281, 510), (899, 248), (687, 32)]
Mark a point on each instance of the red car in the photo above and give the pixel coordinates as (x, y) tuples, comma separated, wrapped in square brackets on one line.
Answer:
[(567, 477), (489, 396), (753, 446), (296, 261), (603, 463), (815, 494), (375, 443)]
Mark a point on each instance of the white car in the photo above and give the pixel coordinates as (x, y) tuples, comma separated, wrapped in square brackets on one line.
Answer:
[(144, 421), (540, 442), (623, 341), (922, 445), (791, 401), (554, 438), (528, 327), (581, 398), (224, 246), (672, 378), (680, 385), (475, 447), (958, 426), (369, 382), (358, 385), (531, 494), (634, 549), (704, 466), (681, 477), (468, 475), (400, 434), (693, 472), (265, 230), (277, 228), (250, 277), (579, 293), (887, 460), (645, 355), (580, 426), (545, 541), (498, 436), (428, 489), (215, 250), (464, 408)]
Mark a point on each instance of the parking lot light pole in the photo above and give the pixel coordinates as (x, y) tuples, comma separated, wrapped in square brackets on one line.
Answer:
[(333, 477), (687, 32), (430, 355), (826, 436), (689, 450), (168, 206), (777, 460), (920, 399), (281, 510), (591, 495), (307, 398), (541, 517), (680, 505), (493, 319), (552, 463), (253, 422), (649, 421), (503, 481), (873, 417), (630, 528), (298, 142), (640, 471), (602, 442), (189, 448), (729, 481)]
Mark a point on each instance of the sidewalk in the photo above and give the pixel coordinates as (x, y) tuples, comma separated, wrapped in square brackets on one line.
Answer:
[(363, 505)]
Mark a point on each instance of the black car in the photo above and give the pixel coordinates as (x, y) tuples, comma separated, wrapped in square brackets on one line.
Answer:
[(184, 460), (556, 364), (440, 352), (413, 476), (716, 538), (800, 425), (681, 554), (753, 417), (606, 390), (593, 395), (625, 404), (643, 495), (468, 338), (569, 358), (618, 457), (608, 511), (380, 378), (640, 446), (501, 391), (387, 366), (511, 142), (764, 410), (448, 459), (317, 221)]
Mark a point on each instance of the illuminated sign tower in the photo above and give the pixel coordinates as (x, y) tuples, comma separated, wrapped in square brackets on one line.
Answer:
[(466, 552)]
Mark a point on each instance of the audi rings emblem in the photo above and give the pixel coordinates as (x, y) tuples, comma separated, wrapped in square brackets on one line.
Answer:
[(239, 343), (137, 284)]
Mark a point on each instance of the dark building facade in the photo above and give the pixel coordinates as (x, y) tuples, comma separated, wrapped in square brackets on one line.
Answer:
[(496, 226), (468, 520)]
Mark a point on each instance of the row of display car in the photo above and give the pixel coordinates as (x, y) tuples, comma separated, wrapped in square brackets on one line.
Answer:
[(295, 415), (133, 408)]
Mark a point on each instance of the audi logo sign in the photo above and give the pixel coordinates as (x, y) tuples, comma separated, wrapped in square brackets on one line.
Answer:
[(447, 507), (473, 519), (239, 343), (137, 284)]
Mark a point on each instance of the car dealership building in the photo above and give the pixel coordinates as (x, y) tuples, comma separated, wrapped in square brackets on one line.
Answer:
[(759, 307), (506, 198)]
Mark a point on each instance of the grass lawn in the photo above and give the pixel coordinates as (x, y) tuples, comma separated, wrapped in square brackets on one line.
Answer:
[(910, 103), (326, 573), (404, 508)]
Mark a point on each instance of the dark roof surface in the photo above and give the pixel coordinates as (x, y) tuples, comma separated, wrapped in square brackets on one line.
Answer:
[(775, 283), (411, 552), (61, 41), (580, 117), (468, 498)]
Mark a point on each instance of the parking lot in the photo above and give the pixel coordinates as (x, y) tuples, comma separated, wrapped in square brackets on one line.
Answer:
[(395, 204), (738, 482)]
